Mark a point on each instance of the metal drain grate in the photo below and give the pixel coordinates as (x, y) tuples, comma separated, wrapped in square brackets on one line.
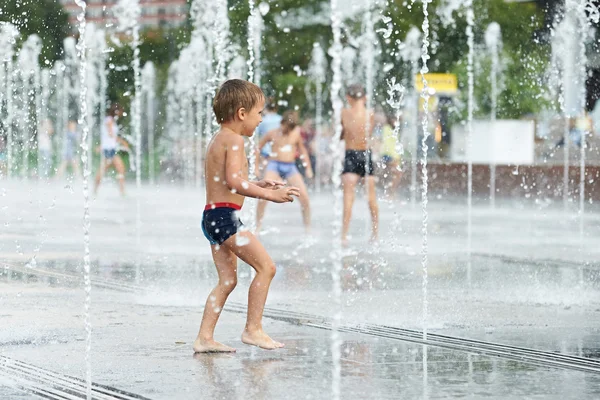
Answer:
[(52, 385)]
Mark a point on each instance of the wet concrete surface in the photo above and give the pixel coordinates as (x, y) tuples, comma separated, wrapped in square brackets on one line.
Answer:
[(532, 280), (146, 350)]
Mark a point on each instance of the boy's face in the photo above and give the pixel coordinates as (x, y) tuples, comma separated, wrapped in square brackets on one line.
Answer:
[(253, 118)]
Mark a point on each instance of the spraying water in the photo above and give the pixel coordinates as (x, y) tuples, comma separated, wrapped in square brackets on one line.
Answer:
[(493, 41), (396, 100), (410, 51), (148, 91), (336, 85), (30, 84), (348, 68), (81, 48), (253, 37), (8, 35), (424, 122), (317, 73), (128, 13), (470, 77)]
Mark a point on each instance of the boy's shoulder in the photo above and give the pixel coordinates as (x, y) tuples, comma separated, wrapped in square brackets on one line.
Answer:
[(228, 138)]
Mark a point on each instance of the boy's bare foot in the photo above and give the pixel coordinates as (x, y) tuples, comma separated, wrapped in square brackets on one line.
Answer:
[(260, 339), (211, 346)]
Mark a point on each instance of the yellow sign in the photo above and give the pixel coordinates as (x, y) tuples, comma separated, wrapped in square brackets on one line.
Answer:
[(445, 84)]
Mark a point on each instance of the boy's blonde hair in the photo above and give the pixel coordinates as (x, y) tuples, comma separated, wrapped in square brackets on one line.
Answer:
[(233, 95)]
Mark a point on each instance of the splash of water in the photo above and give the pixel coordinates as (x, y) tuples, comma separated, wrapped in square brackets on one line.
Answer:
[(30, 76), (470, 77), (424, 196), (368, 64), (348, 68), (81, 48), (8, 36), (396, 100), (336, 85), (585, 28), (254, 34), (568, 50), (493, 41), (410, 51), (148, 91), (317, 74), (128, 13)]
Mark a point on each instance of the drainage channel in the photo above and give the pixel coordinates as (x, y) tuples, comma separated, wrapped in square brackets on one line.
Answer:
[(521, 354), (51, 385)]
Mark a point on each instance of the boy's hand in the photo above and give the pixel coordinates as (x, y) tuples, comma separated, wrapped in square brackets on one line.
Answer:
[(284, 194), (309, 173), (270, 184)]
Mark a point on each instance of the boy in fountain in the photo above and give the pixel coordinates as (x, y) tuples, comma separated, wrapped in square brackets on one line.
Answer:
[(238, 108), (358, 162)]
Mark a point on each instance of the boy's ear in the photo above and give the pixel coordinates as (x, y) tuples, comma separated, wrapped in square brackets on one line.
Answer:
[(241, 113)]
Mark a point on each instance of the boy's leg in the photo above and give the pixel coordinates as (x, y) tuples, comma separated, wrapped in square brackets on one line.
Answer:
[(254, 254), (349, 181), (297, 181), (226, 263), (373, 207)]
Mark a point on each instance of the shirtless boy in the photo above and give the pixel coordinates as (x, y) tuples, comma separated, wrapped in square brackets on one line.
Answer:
[(358, 162), (238, 108), (286, 142)]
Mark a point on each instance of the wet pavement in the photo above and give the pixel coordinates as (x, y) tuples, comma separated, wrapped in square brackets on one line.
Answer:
[(532, 281)]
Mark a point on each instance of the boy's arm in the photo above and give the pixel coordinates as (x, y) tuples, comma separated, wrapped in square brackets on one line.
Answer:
[(265, 139), (234, 156)]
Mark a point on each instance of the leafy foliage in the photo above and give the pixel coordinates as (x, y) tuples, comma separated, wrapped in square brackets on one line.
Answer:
[(45, 18)]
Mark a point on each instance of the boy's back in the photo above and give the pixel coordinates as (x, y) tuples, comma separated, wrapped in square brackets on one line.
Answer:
[(354, 121)]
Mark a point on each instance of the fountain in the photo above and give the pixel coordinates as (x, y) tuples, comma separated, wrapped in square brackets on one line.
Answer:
[(410, 51), (470, 77), (336, 86), (94, 43), (255, 27), (317, 73), (81, 51), (493, 41), (367, 58), (348, 68), (30, 85), (8, 35), (237, 68), (149, 93), (128, 13), (569, 53)]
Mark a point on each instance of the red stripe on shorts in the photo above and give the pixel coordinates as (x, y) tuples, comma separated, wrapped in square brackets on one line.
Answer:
[(212, 206)]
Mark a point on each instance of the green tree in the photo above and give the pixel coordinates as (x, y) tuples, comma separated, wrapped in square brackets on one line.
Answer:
[(46, 18)]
